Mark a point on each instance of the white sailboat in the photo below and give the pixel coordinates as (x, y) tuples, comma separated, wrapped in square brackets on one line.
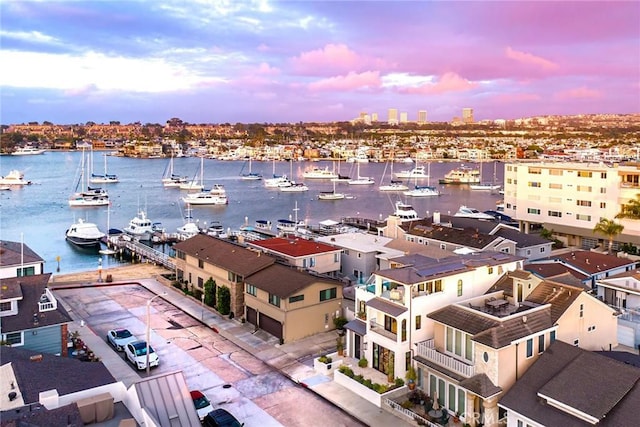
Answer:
[(276, 181), (169, 179), (251, 176), (423, 190), (194, 184), (108, 250), (361, 180), (106, 178), (87, 196), (394, 185), (485, 186), (331, 195)]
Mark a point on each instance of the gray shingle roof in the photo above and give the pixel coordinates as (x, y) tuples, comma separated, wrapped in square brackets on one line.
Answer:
[(481, 385), (385, 306), (16, 253), (285, 281)]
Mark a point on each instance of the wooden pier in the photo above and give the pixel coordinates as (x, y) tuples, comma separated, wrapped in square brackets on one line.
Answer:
[(141, 252)]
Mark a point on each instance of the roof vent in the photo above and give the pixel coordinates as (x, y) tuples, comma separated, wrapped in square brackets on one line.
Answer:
[(524, 319), (12, 396), (36, 358)]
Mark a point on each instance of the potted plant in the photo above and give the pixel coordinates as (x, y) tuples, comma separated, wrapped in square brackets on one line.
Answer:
[(411, 377), (326, 360), (340, 346)]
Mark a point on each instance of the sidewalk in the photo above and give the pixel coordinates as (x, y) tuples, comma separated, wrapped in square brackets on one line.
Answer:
[(294, 360)]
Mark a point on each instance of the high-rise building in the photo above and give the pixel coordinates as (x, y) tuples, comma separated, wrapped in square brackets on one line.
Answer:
[(422, 117), (467, 115), (374, 117), (393, 116), (404, 117)]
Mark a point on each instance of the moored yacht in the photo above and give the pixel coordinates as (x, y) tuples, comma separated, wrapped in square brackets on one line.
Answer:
[(27, 151), (85, 234), (422, 191), (467, 212), (405, 211), (418, 172), (319, 173), (462, 175), (14, 177), (140, 227)]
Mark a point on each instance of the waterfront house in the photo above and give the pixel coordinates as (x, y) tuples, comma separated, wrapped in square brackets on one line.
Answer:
[(291, 304), (482, 345), (203, 257), (622, 291), (569, 386), (310, 255), (30, 316), (17, 260), (393, 305)]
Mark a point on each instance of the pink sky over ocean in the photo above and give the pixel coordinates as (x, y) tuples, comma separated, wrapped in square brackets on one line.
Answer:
[(291, 61)]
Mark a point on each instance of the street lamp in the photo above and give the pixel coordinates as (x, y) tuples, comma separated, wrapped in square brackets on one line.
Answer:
[(202, 307), (149, 325)]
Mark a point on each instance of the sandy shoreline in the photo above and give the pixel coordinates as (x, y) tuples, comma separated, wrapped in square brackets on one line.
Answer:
[(127, 272)]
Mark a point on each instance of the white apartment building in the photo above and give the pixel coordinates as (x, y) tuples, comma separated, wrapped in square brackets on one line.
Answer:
[(571, 198), (422, 117), (393, 116)]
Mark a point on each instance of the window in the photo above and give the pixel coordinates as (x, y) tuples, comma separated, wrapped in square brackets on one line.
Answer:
[(533, 211), (581, 310), (5, 306), (603, 175), (459, 343), (26, 271), (403, 329), (603, 205), (534, 184), (418, 322), (336, 257), (555, 186), (449, 340), (591, 328), (586, 203), (14, 339), (581, 217), (438, 286), (555, 172), (584, 174), (555, 214), (540, 344), (459, 287), (200, 263), (576, 342), (328, 294), (296, 298), (552, 337), (535, 171), (252, 290), (529, 347), (585, 188), (312, 262), (490, 270), (407, 360), (274, 300), (603, 190), (233, 277)]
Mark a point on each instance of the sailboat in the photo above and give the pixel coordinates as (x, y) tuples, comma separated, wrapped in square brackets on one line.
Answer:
[(423, 190), (331, 195), (361, 180), (485, 186), (107, 178), (394, 185), (194, 184), (169, 179), (108, 250), (88, 196), (340, 178), (251, 176), (276, 180)]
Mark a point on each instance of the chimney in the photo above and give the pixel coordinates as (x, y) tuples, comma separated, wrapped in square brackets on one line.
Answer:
[(436, 217)]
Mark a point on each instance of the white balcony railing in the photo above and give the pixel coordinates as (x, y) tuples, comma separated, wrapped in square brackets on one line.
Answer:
[(427, 350), (47, 301)]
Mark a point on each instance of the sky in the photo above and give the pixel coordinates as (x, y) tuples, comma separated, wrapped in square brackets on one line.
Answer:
[(245, 61)]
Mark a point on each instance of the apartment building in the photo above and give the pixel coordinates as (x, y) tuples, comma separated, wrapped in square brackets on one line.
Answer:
[(571, 198)]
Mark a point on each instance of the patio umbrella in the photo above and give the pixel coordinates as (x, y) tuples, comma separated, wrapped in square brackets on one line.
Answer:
[(436, 405)]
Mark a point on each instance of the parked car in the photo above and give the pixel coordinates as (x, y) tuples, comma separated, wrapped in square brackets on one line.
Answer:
[(202, 404), (221, 418), (136, 353), (119, 338)]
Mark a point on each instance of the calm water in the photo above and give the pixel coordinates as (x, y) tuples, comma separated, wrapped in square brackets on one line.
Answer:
[(39, 214)]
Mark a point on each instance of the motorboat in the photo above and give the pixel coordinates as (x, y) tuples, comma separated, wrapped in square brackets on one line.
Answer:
[(188, 230), (461, 175), (289, 226), (422, 191), (405, 211), (263, 224), (295, 187), (277, 182), (14, 177), (319, 173), (205, 198), (140, 227), (418, 172), (467, 212), (216, 229), (27, 151), (84, 234)]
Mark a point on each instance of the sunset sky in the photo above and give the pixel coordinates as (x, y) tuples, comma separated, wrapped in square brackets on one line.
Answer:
[(219, 61)]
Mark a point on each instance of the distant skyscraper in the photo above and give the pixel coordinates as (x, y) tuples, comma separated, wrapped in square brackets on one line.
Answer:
[(374, 117), (393, 116), (404, 118), (467, 115), (422, 117)]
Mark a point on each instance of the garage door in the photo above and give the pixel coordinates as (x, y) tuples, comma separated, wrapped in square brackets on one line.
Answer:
[(271, 325), (626, 336), (252, 316)]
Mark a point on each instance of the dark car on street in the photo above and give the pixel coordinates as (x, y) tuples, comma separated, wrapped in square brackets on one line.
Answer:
[(221, 418)]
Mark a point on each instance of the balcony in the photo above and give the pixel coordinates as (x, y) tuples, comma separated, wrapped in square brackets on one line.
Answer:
[(47, 301), (379, 329), (426, 349)]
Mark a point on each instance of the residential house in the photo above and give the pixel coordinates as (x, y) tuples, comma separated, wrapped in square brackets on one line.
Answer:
[(17, 260), (291, 304), (483, 345), (392, 305), (203, 257), (30, 316), (569, 386), (622, 291), (310, 255), (594, 265)]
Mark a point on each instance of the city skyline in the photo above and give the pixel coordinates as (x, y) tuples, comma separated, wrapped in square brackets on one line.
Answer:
[(260, 61)]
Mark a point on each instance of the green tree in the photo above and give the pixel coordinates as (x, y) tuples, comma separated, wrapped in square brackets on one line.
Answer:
[(210, 292), (609, 228), (224, 300), (631, 210)]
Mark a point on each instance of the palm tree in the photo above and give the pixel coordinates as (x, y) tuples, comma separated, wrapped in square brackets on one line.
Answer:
[(631, 210), (609, 228)]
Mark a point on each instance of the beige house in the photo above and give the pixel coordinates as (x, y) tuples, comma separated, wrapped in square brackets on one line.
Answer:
[(305, 254), (291, 304), (203, 257), (483, 345)]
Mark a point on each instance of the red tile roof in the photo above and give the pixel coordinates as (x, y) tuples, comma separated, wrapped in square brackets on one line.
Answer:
[(294, 247)]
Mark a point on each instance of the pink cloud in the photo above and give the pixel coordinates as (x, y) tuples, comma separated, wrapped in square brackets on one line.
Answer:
[(529, 59), (352, 81), (333, 59), (578, 93), (267, 69), (448, 82), (509, 98)]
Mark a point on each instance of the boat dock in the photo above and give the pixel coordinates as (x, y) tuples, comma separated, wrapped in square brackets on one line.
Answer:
[(139, 251)]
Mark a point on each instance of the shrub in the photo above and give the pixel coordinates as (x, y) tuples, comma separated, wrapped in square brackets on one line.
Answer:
[(399, 382), (224, 300), (325, 359), (359, 378), (367, 383), (363, 362), (339, 322), (177, 284), (407, 404), (344, 369)]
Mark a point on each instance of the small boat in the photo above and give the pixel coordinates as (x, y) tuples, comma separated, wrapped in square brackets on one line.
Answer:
[(190, 228), (27, 151), (170, 179), (361, 180), (467, 212), (91, 196), (289, 226), (106, 178), (394, 185), (295, 187), (422, 191), (14, 177), (405, 211), (250, 176), (263, 224), (331, 195), (84, 234), (486, 186), (418, 172), (205, 198), (140, 227), (216, 229), (319, 173), (462, 175), (195, 184)]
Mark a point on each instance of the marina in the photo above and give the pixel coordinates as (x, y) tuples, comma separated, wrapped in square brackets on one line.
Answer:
[(39, 214)]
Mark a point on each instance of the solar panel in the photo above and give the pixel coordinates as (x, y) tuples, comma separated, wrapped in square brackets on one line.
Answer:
[(441, 268)]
